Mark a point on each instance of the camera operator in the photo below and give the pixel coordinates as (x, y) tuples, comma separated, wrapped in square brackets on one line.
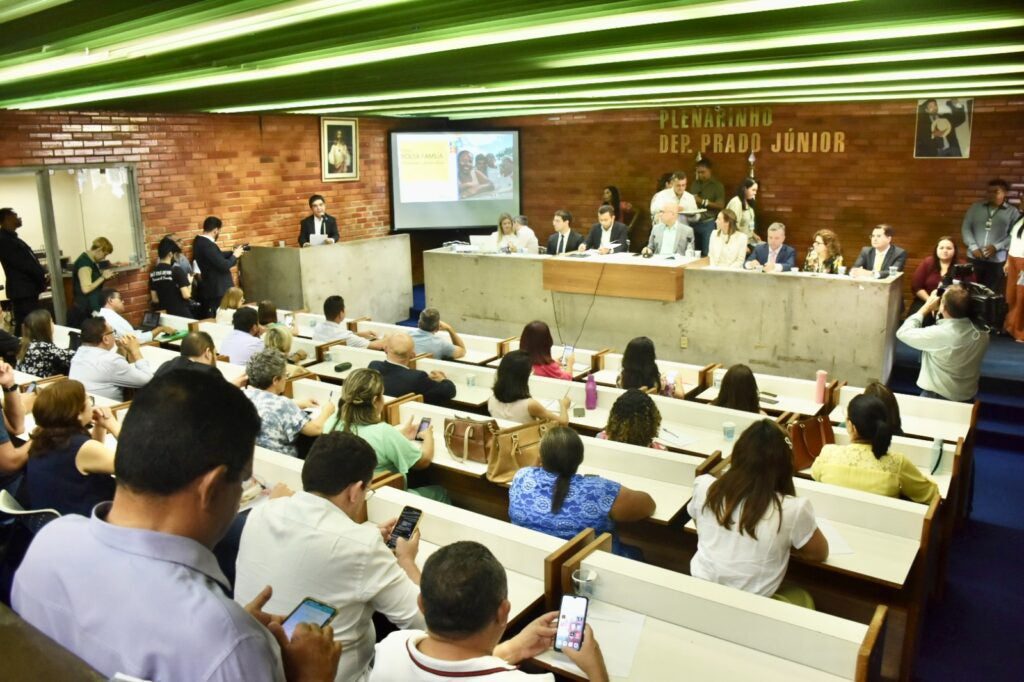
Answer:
[(951, 350)]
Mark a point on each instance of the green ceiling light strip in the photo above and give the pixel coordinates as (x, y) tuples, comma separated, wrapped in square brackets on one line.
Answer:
[(16, 9), (532, 27), (792, 39), (190, 35)]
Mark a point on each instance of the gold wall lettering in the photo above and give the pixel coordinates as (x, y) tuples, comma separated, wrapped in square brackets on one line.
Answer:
[(700, 119)]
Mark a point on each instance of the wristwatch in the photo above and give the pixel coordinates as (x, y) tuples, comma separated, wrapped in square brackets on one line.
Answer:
[(11, 389)]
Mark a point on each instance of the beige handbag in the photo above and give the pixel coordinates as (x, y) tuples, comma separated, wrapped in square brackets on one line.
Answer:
[(469, 439), (514, 448)]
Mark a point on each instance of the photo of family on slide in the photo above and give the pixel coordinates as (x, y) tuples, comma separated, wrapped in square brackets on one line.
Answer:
[(485, 175)]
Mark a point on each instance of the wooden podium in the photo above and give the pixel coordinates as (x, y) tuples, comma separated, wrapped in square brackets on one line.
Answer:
[(621, 279)]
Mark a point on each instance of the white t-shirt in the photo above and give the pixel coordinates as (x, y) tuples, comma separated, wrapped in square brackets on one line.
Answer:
[(728, 558), (687, 202), (398, 660)]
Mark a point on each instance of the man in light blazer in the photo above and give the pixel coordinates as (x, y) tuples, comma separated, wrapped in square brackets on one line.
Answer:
[(880, 256), (606, 231), (565, 239), (773, 255), (318, 223), (669, 236)]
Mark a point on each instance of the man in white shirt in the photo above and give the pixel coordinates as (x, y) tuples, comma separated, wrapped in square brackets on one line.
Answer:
[(678, 195), (464, 600), (102, 370), (331, 328), (669, 236), (113, 307), (244, 340), (309, 545)]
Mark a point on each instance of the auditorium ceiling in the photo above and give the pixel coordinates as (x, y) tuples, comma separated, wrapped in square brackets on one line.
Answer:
[(464, 59)]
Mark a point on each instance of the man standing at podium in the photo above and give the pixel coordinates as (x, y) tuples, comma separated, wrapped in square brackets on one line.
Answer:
[(325, 227)]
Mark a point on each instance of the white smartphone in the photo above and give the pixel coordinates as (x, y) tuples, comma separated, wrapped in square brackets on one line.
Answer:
[(571, 619)]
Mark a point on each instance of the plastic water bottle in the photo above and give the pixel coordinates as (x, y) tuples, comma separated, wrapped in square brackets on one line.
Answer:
[(591, 392), (936, 453)]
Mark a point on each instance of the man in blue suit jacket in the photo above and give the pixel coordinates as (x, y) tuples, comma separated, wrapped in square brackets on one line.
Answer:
[(880, 256), (773, 255)]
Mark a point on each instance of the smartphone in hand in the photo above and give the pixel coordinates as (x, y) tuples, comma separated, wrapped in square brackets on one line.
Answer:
[(309, 610), (571, 619), (424, 425), (406, 525)]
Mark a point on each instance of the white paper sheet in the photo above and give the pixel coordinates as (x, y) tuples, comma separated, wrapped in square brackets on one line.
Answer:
[(317, 239), (618, 631), (837, 544), (674, 438)]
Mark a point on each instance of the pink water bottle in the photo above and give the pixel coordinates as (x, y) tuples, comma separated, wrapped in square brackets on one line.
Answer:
[(591, 392), (819, 389)]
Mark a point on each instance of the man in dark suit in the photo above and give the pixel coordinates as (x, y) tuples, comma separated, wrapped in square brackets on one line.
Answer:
[(606, 231), (880, 256), (936, 133), (214, 266), (565, 239), (318, 223), (773, 255), (399, 379), (26, 277)]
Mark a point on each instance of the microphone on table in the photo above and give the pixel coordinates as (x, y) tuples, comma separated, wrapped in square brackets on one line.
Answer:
[(342, 366)]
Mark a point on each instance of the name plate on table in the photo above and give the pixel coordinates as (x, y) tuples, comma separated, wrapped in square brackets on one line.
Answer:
[(654, 282)]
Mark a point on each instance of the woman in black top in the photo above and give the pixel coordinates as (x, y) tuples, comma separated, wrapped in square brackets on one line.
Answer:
[(169, 288), (640, 369)]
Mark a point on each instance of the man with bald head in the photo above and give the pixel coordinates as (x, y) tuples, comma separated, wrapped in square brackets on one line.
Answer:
[(670, 235), (399, 379)]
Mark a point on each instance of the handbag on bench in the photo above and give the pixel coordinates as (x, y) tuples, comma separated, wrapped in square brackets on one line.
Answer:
[(505, 451), (809, 436)]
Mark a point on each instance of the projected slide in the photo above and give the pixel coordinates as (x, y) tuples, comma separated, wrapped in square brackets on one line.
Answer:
[(454, 179)]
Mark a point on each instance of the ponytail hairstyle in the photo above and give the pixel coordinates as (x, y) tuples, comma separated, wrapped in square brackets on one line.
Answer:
[(561, 453), (358, 394), (871, 419), (882, 392)]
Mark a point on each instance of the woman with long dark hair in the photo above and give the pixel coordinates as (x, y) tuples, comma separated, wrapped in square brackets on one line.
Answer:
[(554, 499), (742, 205), (866, 463), (738, 390), (933, 269), (749, 520), (536, 342), (38, 355), (511, 399), (892, 408), (624, 212)]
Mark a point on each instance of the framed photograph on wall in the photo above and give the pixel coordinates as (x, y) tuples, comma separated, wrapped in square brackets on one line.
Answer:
[(944, 128), (339, 149)]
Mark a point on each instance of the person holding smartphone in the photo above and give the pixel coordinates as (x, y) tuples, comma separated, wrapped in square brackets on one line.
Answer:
[(462, 636), (309, 545)]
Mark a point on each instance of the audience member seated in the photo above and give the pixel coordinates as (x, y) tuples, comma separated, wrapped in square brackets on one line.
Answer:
[(282, 419), (826, 254), (773, 255), (511, 399), (866, 463), (605, 232), (12, 458), (234, 298), (310, 545), (565, 239), (428, 339), (675, 193), (527, 237), (10, 345), (103, 372), (554, 499), (515, 237), (742, 207), (141, 591), (361, 412), (38, 355), (640, 370), (113, 307), (749, 520), (89, 279), (536, 342), (244, 340), (332, 329), (738, 390), (169, 287), (399, 379), (728, 246), (198, 354), (633, 419), (935, 268), (464, 600), (69, 469), (892, 408), (875, 260), (670, 236), (279, 338)]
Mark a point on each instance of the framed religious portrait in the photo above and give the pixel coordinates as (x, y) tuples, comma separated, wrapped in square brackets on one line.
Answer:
[(339, 149), (944, 127)]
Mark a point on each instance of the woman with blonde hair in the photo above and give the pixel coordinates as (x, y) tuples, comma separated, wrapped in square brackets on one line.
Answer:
[(826, 254), (89, 279), (279, 338), (361, 412), (728, 246), (234, 298)]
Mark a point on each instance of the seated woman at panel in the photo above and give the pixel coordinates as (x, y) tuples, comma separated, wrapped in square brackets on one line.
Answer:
[(742, 206), (749, 520), (514, 236), (633, 419), (826, 254), (38, 355), (640, 370), (727, 247), (233, 299), (892, 408), (511, 399), (69, 468), (738, 390), (624, 212), (933, 269), (536, 342), (866, 463), (361, 412), (554, 499), (89, 280), (282, 419), (279, 338)]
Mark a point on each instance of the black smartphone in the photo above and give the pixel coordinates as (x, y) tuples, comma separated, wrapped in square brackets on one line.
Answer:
[(309, 610), (571, 619), (406, 525), (424, 425)]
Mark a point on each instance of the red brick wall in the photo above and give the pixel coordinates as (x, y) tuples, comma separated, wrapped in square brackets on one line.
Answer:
[(256, 173)]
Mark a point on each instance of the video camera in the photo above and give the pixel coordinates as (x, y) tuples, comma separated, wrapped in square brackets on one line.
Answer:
[(988, 309)]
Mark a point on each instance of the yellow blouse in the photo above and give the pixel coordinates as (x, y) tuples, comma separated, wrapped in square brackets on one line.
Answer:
[(855, 466)]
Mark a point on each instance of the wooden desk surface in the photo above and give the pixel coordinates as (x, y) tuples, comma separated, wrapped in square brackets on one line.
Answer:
[(614, 277)]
